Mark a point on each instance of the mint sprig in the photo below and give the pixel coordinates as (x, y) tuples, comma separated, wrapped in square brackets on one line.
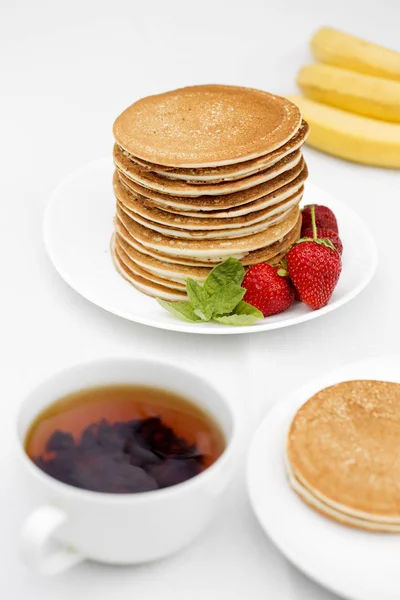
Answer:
[(220, 298), (243, 314), (182, 309), (229, 271), (199, 299)]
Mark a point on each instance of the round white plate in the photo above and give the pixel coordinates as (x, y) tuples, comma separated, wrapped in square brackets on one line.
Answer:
[(355, 564), (78, 224)]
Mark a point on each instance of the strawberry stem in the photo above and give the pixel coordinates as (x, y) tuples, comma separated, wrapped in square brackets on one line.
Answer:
[(313, 223)]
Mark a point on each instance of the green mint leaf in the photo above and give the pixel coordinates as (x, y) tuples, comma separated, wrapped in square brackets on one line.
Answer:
[(220, 298), (227, 298), (243, 314), (199, 300), (244, 308), (238, 320), (230, 271), (182, 309)]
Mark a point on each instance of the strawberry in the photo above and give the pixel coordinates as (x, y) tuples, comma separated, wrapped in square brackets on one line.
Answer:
[(324, 217), (314, 266), (314, 269), (266, 290), (323, 232)]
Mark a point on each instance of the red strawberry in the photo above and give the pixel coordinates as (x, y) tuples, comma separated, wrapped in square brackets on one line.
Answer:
[(314, 269), (266, 290), (324, 217), (323, 232)]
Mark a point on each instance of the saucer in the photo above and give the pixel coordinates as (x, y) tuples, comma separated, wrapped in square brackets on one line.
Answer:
[(323, 549)]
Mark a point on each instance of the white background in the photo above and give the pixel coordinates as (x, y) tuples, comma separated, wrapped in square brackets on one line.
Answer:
[(67, 69)]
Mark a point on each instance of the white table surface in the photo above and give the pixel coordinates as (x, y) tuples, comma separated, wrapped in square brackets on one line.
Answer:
[(66, 71)]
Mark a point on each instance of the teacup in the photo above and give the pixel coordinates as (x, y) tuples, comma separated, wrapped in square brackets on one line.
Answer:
[(69, 525)]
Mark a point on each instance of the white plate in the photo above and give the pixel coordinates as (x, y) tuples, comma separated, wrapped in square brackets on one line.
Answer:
[(78, 224), (355, 564)]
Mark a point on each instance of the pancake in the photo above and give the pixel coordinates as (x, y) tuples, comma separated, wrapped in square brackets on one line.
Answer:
[(229, 172), (181, 260), (217, 249), (137, 270), (262, 203), (211, 234), (342, 452), (144, 286), (172, 271), (132, 203), (223, 202), (272, 253), (169, 271), (174, 187), (206, 126), (336, 515)]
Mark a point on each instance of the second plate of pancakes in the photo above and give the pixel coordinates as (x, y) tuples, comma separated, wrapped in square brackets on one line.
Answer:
[(79, 223), (324, 549)]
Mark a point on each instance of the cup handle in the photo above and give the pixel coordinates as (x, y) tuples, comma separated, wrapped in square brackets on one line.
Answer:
[(39, 549)]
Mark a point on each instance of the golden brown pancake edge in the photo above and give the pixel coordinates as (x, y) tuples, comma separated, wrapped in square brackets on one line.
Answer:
[(237, 124)]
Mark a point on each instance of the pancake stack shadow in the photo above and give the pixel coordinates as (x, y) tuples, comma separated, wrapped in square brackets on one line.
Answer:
[(204, 173)]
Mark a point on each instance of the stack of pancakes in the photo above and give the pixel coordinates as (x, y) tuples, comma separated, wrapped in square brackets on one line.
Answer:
[(204, 173), (343, 454)]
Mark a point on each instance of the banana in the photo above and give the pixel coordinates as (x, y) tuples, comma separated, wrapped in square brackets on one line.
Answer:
[(361, 94), (342, 50), (350, 136)]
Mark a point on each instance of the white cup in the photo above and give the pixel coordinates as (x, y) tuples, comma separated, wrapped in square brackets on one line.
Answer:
[(69, 524)]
